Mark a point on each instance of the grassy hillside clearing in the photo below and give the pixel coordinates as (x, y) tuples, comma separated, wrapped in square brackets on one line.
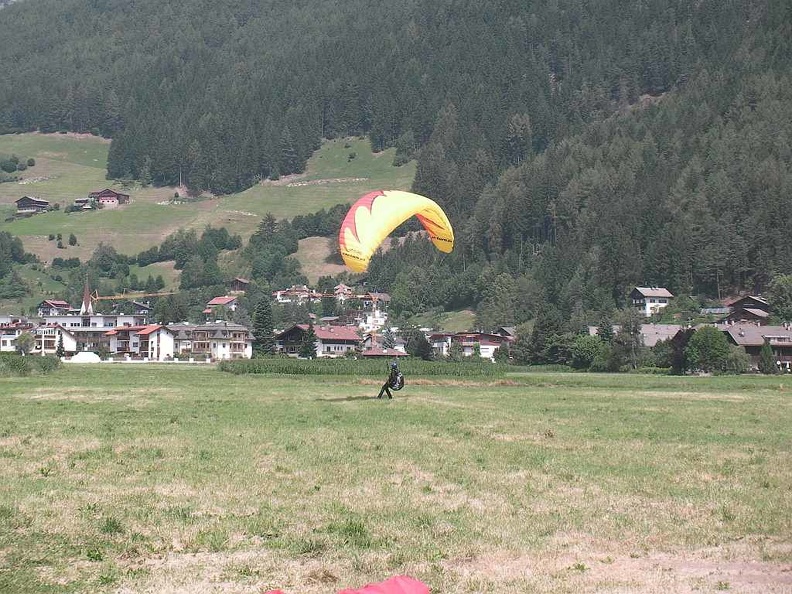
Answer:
[(69, 166), (184, 479)]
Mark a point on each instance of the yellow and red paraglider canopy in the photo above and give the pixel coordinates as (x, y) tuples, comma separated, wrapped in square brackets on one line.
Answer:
[(372, 218)]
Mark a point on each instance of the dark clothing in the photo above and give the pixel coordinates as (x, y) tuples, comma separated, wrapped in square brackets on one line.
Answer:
[(390, 382), (385, 390)]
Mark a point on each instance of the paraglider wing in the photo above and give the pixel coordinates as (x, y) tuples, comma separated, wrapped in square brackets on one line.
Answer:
[(372, 218)]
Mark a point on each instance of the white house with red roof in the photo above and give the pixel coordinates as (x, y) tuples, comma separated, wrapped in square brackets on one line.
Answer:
[(151, 341), (48, 337), (53, 307), (228, 301)]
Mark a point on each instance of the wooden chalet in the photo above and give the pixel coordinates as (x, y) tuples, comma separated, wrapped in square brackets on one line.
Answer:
[(31, 205), (752, 337), (748, 309)]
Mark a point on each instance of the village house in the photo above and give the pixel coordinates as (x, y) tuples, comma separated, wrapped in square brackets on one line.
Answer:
[(297, 294), (216, 341), (10, 330), (382, 353), (372, 321), (228, 302), (486, 343), (752, 337), (342, 292), (31, 205), (650, 300), (151, 342), (239, 285), (374, 340), (108, 198), (53, 307), (48, 337), (375, 300), (747, 309), (331, 341)]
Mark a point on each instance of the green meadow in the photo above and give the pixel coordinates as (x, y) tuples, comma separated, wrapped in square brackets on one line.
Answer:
[(69, 167), (132, 478)]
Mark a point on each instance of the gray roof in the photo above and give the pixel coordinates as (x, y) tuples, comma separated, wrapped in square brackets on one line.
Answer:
[(216, 330), (753, 335)]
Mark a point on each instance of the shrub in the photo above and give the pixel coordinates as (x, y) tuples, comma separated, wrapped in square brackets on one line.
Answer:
[(361, 367), (14, 364)]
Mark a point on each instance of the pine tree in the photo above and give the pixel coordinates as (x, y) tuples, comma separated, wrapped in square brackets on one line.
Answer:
[(59, 350), (767, 364), (388, 339), (264, 340), (308, 344)]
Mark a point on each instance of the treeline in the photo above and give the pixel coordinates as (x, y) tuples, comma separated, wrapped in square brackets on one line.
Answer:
[(579, 148), (219, 95), (12, 252)]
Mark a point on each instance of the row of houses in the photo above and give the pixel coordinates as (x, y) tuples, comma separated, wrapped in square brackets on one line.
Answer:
[(341, 292), (106, 198), (748, 335), (119, 337)]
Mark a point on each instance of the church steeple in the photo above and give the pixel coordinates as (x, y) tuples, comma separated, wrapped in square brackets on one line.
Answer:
[(86, 309)]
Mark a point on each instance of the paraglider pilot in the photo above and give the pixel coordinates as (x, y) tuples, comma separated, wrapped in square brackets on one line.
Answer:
[(395, 381)]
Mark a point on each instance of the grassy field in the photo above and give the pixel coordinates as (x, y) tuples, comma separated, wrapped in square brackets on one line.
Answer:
[(69, 167), (184, 479)]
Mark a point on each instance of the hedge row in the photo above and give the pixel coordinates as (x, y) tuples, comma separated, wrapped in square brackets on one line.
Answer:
[(14, 364), (364, 367)]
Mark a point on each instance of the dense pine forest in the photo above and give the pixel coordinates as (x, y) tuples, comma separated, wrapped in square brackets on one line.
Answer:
[(579, 148)]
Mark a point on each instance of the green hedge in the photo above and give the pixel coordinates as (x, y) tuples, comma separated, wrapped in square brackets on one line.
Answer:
[(14, 364), (364, 367)]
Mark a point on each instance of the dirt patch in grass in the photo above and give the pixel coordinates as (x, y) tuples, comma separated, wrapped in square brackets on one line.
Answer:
[(606, 570), (95, 394), (697, 396)]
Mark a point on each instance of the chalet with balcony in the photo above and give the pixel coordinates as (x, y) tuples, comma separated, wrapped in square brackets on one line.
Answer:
[(30, 205), (215, 341), (48, 337), (752, 337), (152, 342)]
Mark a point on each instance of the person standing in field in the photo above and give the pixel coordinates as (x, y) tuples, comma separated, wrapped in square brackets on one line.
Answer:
[(395, 381)]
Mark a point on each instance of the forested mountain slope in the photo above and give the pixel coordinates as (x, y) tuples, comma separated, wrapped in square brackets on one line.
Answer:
[(578, 146)]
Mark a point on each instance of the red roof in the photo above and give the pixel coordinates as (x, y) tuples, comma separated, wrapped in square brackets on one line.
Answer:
[(150, 329), (331, 333), (56, 303), (221, 300)]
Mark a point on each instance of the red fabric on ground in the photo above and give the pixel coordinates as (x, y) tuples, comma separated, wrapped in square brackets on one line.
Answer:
[(400, 584)]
